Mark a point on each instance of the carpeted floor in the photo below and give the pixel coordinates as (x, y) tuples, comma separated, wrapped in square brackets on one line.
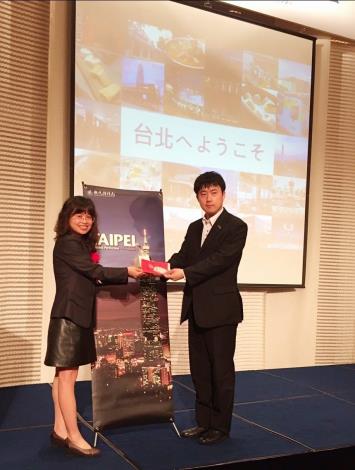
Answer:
[(293, 413)]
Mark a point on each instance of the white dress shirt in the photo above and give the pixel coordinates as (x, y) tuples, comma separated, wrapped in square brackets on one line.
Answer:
[(208, 224)]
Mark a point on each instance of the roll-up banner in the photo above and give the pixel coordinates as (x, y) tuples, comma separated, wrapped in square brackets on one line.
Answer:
[(131, 380)]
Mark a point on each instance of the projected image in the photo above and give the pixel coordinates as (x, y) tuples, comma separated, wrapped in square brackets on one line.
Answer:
[(255, 194), (293, 113), (259, 90), (147, 39), (222, 88), (187, 51), (288, 212), (176, 220), (97, 78), (294, 96), (288, 193), (142, 83), (232, 197), (290, 156), (97, 126), (137, 173), (286, 233), (184, 92), (262, 229), (101, 169), (274, 210), (260, 71), (161, 96), (178, 184), (144, 39)]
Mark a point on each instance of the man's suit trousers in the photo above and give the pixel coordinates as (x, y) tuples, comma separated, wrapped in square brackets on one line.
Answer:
[(211, 352)]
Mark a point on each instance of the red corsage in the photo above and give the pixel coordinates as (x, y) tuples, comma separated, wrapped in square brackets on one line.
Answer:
[(95, 257)]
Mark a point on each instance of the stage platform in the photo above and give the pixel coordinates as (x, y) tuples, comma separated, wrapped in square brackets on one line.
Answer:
[(283, 419)]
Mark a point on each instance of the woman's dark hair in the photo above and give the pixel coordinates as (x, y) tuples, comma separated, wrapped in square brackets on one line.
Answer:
[(210, 178), (77, 205)]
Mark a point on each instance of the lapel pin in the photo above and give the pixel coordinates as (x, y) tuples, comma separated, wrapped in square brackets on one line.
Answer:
[(219, 227)]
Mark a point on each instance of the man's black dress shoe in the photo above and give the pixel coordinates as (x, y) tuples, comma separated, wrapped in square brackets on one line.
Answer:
[(193, 433), (212, 436)]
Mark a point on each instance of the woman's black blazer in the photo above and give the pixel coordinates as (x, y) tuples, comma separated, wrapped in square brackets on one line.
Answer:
[(76, 277)]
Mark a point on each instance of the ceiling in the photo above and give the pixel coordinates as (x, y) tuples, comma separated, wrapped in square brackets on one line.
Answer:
[(334, 17)]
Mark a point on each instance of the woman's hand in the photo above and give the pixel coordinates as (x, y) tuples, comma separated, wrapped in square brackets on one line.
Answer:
[(135, 272)]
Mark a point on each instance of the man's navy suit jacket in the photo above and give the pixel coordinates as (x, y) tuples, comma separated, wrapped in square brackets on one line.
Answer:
[(211, 290)]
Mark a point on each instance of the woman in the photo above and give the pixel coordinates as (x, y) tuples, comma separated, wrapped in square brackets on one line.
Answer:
[(71, 335)]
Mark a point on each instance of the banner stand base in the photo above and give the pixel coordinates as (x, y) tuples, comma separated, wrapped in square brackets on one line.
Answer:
[(175, 428), (171, 421), (116, 449)]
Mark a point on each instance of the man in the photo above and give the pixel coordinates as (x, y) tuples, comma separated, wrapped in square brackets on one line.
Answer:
[(208, 261)]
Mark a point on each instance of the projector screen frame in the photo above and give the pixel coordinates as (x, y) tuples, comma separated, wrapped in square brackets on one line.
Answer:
[(238, 14)]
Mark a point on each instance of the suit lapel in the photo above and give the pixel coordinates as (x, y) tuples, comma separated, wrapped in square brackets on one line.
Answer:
[(197, 236)]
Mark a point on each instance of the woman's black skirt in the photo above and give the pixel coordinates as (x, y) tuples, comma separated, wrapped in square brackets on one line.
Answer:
[(69, 345)]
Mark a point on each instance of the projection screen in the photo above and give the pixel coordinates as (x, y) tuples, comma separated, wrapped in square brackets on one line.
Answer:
[(165, 91)]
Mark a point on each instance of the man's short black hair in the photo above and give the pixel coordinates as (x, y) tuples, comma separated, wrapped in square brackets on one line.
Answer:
[(210, 178)]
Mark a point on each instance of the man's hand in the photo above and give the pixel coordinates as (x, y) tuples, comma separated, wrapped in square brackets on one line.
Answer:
[(175, 274), (135, 272)]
